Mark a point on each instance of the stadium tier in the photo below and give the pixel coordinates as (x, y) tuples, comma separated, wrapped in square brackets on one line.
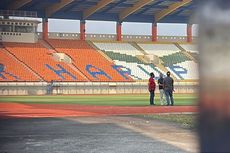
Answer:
[(191, 49), (78, 61), (90, 62), (124, 54), (173, 59), (40, 61)]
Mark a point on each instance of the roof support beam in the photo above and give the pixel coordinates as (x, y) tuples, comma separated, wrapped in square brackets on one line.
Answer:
[(170, 9), (95, 8), (126, 12), (55, 7), (18, 4)]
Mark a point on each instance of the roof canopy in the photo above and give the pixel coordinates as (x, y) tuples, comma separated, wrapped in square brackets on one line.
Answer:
[(150, 11)]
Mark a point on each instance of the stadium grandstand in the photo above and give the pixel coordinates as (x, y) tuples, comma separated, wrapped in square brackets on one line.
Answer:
[(81, 63)]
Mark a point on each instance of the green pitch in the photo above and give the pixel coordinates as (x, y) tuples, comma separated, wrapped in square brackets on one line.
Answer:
[(113, 100)]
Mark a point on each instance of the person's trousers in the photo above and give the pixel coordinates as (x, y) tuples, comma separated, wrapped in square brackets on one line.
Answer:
[(162, 96), (169, 95), (49, 90), (152, 94)]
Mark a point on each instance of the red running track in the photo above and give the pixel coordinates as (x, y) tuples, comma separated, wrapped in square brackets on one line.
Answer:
[(67, 110)]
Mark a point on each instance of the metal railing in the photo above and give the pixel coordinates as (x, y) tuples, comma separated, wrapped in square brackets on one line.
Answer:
[(69, 88), (112, 37)]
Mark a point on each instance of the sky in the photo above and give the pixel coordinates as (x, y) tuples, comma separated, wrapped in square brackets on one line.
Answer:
[(105, 27)]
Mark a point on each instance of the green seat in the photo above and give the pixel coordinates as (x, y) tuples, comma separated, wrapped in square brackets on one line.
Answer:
[(174, 58)]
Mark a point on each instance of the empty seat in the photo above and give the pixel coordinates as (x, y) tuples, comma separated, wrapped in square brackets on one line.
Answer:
[(39, 60), (12, 70), (90, 62)]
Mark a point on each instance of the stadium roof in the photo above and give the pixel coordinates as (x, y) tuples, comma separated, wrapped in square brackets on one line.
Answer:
[(164, 11)]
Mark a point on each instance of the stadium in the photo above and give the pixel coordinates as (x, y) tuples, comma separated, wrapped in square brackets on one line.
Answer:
[(59, 84)]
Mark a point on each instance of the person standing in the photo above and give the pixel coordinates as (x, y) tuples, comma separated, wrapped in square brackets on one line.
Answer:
[(152, 87), (169, 88), (160, 82), (50, 87)]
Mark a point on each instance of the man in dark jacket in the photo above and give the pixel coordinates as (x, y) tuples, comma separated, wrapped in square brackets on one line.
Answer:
[(152, 87), (169, 88)]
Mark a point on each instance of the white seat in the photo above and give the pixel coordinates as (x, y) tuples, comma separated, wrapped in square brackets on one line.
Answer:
[(122, 48), (159, 49), (190, 48)]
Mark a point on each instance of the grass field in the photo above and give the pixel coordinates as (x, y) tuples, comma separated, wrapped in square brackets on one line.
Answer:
[(184, 120), (113, 100)]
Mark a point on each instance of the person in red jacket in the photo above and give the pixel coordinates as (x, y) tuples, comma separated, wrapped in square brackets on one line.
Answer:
[(152, 87)]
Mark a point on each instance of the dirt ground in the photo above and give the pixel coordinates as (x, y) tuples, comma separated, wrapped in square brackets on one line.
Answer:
[(104, 134), (36, 128), (66, 110)]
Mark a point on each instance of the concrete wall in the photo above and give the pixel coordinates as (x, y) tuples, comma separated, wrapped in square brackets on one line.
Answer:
[(69, 88), (113, 37), (18, 37)]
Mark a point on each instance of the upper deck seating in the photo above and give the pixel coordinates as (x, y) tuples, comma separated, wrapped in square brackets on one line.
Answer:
[(192, 49)]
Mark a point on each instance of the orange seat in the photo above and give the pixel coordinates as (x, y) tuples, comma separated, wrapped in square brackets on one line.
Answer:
[(83, 55), (36, 57), (13, 70)]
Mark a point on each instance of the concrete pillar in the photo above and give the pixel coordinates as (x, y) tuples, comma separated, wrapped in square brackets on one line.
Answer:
[(45, 28), (82, 30), (189, 33), (119, 31), (154, 32)]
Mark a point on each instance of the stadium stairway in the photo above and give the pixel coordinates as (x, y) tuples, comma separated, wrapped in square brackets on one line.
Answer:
[(47, 45), (134, 44), (191, 56), (97, 49), (144, 58)]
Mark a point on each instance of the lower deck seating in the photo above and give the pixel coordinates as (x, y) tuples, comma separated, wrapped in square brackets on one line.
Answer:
[(187, 70), (39, 60), (137, 69), (11, 70), (87, 63), (181, 66), (90, 62)]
